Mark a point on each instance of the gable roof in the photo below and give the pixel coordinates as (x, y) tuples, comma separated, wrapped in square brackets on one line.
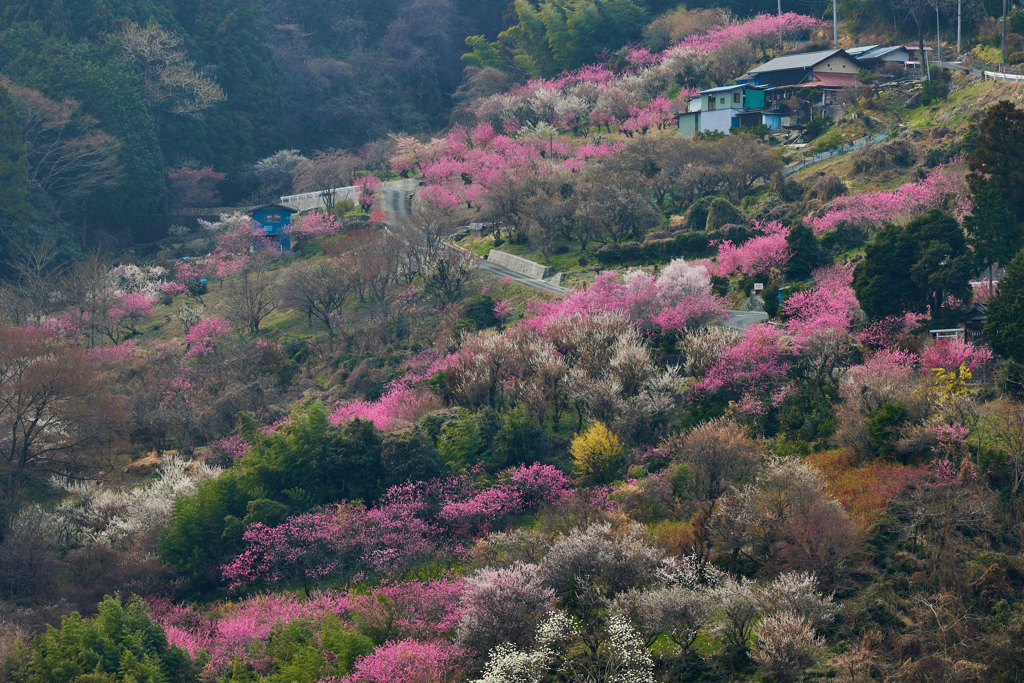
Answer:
[(806, 60), (280, 207)]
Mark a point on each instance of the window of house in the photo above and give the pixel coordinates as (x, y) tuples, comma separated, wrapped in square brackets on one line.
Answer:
[(711, 103), (272, 218), (721, 100), (735, 98)]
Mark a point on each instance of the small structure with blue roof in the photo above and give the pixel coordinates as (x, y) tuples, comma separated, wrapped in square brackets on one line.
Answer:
[(276, 222)]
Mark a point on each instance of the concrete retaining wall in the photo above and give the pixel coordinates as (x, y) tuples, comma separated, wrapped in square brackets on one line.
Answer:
[(520, 265)]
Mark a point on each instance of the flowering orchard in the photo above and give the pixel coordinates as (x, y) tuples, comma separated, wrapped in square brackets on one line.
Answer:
[(945, 187)]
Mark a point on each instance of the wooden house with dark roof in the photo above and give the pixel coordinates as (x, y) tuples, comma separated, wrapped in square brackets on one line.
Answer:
[(826, 70)]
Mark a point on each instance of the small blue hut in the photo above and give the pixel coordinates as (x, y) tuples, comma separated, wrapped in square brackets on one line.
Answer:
[(276, 222)]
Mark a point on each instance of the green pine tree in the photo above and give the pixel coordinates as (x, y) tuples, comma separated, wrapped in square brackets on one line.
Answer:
[(997, 160), (994, 235), (1005, 325), (13, 169)]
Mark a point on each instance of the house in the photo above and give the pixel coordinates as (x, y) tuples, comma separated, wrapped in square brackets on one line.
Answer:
[(276, 222), (826, 70), (724, 108), (876, 56)]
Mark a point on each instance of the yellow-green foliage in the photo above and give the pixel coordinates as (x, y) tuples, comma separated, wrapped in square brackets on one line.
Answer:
[(596, 454)]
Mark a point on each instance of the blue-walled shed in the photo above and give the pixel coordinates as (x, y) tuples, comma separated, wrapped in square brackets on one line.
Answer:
[(276, 221)]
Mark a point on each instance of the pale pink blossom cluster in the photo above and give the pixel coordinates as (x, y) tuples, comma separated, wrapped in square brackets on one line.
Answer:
[(315, 225), (242, 630), (413, 523), (404, 401), (886, 332), (945, 186), (679, 298), (202, 337), (464, 166)]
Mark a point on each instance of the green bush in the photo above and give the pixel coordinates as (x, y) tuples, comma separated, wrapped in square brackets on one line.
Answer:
[(1011, 380), (121, 643), (884, 426), (479, 312), (304, 652), (520, 439), (689, 245), (817, 125), (722, 213), (460, 444), (207, 528)]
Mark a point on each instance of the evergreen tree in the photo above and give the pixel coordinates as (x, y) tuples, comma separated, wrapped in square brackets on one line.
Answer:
[(997, 159), (1005, 326), (807, 252), (993, 234), (13, 169), (915, 268)]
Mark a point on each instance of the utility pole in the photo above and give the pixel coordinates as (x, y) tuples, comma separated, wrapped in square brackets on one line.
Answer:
[(1002, 64), (781, 46), (938, 38), (959, 8), (835, 23)]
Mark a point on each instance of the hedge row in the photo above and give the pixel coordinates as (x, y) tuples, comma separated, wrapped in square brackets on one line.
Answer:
[(687, 245)]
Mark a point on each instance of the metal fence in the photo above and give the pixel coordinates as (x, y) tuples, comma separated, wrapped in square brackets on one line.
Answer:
[(828, 154)]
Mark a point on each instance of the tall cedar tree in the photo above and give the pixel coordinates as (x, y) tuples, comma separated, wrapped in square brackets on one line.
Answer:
[(1005, 326), (915, 267), (13, 168), (998, 157), (992, 232), (807, 252)]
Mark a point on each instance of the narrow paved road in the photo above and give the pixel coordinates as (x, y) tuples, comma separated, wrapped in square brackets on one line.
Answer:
[(741, 320), (539, 285)]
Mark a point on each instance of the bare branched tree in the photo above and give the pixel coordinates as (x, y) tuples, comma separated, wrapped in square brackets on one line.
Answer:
[(318, 288), (325, 173), (251, 296), (69, 156)]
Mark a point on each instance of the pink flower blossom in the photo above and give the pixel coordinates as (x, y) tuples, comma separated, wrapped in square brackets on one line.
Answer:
[(758, 255), (950, 354), (944, 186), (407, 661)]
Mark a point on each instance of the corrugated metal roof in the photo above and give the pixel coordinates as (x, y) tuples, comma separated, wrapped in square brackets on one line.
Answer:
[(722, 88), (877, 52), (801, 61), (861, 50)]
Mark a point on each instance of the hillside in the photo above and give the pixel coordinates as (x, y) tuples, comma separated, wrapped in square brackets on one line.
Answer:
[(327, 447)]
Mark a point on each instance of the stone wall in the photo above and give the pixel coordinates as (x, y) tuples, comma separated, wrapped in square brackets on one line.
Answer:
[(520, 265)]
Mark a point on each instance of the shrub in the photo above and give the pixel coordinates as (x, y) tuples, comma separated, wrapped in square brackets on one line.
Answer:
[(722, 213), (479, 312), (817, 125), (1011, 380), (613, 560), (786, 646), (121, 643), (884, 427), (597, 455), (502, 606), (405, 661)]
